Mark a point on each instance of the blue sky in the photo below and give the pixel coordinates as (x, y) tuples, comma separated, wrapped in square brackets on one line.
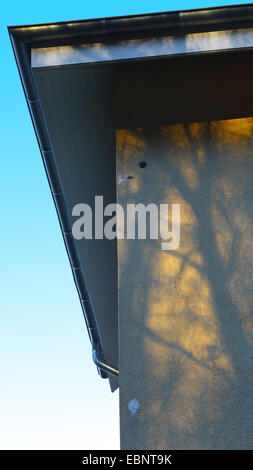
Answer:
[(50, 394)]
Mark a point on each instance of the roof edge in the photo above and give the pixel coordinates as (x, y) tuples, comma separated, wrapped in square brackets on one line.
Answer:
[(143, 23)]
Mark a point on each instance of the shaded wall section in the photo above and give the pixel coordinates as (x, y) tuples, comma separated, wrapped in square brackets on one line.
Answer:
[(184, 89), (186, 316)]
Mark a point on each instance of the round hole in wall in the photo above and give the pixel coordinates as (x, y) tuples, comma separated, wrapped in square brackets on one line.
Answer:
[(142, 164)]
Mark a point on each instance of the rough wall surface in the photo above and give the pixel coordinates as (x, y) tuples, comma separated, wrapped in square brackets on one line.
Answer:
[(186, 321)]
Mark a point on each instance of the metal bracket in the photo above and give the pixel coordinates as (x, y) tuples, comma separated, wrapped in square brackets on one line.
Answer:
[(100, 363)]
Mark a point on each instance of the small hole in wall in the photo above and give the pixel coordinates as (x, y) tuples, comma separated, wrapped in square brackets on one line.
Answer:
[(142, 164), (129, 177)]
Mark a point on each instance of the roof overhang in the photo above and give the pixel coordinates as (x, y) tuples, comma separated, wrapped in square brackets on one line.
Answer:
[(42, 52)]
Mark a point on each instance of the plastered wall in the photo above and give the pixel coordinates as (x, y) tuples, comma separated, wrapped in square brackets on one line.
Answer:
[(186, 316)]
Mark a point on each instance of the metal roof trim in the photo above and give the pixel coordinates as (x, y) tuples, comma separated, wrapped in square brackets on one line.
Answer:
[(144, 23)]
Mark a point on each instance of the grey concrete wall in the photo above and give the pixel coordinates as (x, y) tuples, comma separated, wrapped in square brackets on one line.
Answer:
[(186, 321)]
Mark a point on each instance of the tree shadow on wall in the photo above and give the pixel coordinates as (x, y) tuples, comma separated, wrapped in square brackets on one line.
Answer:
[(187, 314)]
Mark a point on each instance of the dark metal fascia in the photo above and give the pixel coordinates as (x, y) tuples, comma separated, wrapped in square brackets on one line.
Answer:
[(155, 23)]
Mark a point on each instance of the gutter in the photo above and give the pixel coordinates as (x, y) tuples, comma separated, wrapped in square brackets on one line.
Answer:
[(236, 16)]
